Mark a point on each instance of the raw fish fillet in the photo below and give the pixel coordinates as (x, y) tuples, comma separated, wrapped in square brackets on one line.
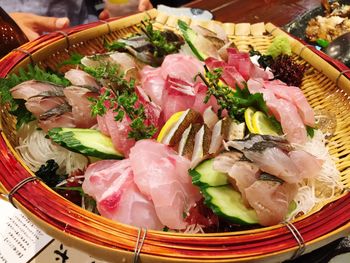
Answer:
[(31, 88), (153, 83), (295, 96), (78, 98), (117, 130), (112, 185), (284, 111), (65, 120), (162, 176), (80, 78), (270, 200), (39, 105)]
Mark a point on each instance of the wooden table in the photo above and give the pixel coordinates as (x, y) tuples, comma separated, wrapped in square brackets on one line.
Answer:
[(279, 12)]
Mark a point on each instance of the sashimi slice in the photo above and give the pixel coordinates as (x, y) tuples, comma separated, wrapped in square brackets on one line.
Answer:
[(181, 67), (162, 176), (81, 78), (308, 165), (295, 96), (270, 200), (31, 88), (243, 174), (111, 184), (39, 105), (118, 131), (65, 120), (274, 161), (153, 83), (78, 98), (100, 175)]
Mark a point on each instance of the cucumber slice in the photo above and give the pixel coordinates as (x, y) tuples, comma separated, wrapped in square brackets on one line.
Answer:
[(85, 141), (191, 37), (204, 175), (227, 203)]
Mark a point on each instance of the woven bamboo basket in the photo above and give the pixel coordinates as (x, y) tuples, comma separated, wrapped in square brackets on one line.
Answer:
[(325, 86)]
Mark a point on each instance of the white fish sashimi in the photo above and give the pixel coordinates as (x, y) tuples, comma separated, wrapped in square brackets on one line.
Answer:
[(39, 105), (309, 166), (111, 184), (81, 78), (274, 161), (31, 88), (162, 176), (101, 174), (78, 98), (270, 200)]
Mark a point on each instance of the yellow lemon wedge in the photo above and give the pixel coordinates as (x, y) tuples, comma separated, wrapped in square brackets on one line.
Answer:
[(248, 117), (262, 125), (168, 125)]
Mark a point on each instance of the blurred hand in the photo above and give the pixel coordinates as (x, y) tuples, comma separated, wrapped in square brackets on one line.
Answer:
[(145, 5), (142, 6), (33, 25)]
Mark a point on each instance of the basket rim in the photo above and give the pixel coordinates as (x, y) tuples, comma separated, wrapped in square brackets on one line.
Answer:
[(102, 30)]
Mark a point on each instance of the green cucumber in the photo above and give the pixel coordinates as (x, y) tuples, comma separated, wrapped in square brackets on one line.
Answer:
[(191, 37), (85, 141), (204, 175), (227, 203)]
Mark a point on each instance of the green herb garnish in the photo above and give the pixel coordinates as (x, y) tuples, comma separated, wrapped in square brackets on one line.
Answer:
[(164, 42), (234, 101), (120, 97)]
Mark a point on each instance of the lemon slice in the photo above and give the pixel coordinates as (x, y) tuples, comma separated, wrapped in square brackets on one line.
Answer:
[(168, 125), (262, 125), (248, 117)]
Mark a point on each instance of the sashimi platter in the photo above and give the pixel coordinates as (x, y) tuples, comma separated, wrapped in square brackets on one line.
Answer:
[(217, 145)]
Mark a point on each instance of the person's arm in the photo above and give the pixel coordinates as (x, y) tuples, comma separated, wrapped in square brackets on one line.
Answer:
[(33, 25)]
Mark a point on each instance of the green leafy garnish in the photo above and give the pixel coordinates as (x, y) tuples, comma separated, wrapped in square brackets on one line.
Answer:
[(310, 131), (234, 101), (17, 107), (74, 59), (162, 41), (114, 45), (120, 97)]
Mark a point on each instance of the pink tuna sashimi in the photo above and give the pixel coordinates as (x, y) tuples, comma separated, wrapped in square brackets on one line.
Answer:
[(270, 200), (295, 96), (65, 120), (81, 78), (308, 165), (230, 74), (201, 93), (111, 183), (177, 66), (31, 88), (163, 177), (39, 105), (241, 61), (177, 96), (152, 110), (78, 98), (117, 130), (181, 67), (153, 83)]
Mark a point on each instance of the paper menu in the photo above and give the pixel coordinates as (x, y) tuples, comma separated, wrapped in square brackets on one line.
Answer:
[(20, 239)]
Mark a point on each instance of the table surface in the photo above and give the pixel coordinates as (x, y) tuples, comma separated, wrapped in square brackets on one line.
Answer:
[(278, 12)]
